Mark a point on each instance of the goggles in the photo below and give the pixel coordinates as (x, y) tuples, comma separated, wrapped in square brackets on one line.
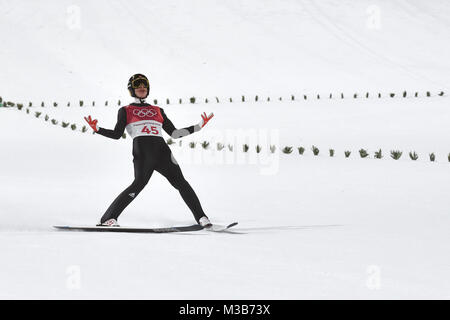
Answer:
[(137, 83)]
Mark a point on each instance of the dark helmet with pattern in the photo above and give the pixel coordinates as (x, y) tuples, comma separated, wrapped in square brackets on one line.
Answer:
[(136, 81)]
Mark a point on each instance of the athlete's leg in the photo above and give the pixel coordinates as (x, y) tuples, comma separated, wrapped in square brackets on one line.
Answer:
[(142, 172), (171, 170)]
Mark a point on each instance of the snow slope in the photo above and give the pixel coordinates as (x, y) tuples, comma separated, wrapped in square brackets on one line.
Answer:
[(309, 227), (82, 50)]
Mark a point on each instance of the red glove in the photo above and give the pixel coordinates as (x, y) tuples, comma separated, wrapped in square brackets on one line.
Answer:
[(205, 119), (92, 123)]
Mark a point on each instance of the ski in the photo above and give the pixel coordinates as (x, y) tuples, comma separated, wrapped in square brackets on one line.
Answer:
[(194, 227), (220, 228)]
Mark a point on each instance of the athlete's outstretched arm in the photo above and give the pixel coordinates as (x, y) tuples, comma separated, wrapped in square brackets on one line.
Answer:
[(118, 129), (179, 133)]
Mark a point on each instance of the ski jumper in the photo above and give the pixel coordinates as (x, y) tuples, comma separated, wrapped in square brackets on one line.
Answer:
[(144, 123)]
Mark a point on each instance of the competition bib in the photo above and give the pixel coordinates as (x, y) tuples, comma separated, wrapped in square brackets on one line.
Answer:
[(144, 121), (144, 128)]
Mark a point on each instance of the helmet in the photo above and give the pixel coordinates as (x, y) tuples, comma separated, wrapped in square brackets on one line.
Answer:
[(135, 81)]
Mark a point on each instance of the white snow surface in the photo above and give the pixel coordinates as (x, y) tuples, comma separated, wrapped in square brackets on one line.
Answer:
[(63, 50), (310, 227)]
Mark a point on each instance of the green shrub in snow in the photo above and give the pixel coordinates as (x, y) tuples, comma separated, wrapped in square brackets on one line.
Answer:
[(301, 150), (205, 144), (396, 154), (413, 155), (432, 157), (378, 154), (363, 153), (315, 150)]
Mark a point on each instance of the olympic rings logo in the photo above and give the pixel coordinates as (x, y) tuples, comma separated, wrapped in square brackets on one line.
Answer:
[(144, 113)]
